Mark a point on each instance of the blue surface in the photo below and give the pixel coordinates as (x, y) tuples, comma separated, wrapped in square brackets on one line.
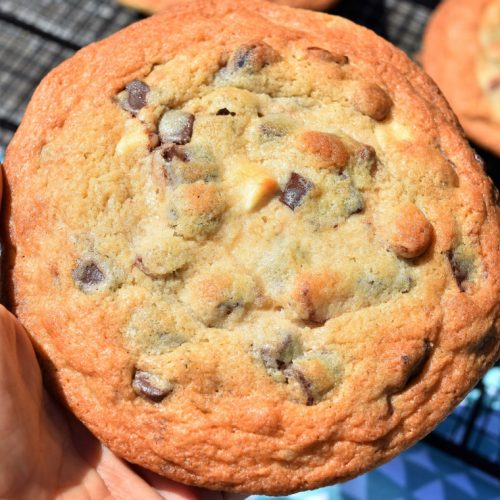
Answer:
[(484, 439), (420, 473)]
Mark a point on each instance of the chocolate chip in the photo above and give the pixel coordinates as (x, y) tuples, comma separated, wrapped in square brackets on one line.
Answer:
[(226, 308), (367, 156), (137, 92), (296, 188), (176, 127), (186, 164), (306, 386), (311, 376), (151, 386), (89, 276), (459, 267), (367, 153), (417, 367), (242, 56), (252, 58), (279, 355), (327, 56), (270, 359), (171, 151), (225, 112), (409, 370)]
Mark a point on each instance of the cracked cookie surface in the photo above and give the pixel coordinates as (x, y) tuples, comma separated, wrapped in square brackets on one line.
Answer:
[(269, 250)]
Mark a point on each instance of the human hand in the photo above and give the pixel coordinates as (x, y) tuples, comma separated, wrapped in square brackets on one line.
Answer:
[(46, 453)]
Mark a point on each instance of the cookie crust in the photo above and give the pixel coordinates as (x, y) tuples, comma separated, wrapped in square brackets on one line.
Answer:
[(450, 53), (431, 347)]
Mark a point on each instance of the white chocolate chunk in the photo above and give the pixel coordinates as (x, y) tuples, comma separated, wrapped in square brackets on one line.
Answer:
[(258, 191), (393, 131), (255, 185), (135, 138)]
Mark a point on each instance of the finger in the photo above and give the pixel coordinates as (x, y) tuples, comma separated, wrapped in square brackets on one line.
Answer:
[(176, 491), (121, 480), (167, 488), (118, 477), (16, 352)]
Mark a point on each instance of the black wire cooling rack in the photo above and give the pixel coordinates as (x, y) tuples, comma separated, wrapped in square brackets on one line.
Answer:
[(36, 35)]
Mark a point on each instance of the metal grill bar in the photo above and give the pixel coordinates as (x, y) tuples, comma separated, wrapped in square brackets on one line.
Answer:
[(37, 31)]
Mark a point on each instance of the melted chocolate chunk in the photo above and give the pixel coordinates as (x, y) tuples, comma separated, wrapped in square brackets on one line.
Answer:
[(418, 366), (296, 188), (172, 151), (305, 385), (459, 268), (88, 275), (186, 165), (280, 355), (367, 153), (225, 112), (91, 274), (150, 386), (412, 367), (137, 92), (226, 308), (242, 57), (176, 127)]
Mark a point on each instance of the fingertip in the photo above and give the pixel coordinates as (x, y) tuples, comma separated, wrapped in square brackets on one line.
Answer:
[(168, 488)]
